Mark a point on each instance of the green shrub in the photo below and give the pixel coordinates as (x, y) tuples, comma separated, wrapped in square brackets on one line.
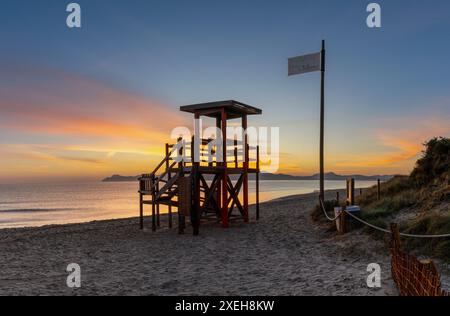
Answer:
[(442, 250), (435, 162), (431, 224), (379, 222), (388, 189), (427, 187)]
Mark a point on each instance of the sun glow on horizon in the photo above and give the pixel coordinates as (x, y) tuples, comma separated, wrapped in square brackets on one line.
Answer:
[(57, 125)]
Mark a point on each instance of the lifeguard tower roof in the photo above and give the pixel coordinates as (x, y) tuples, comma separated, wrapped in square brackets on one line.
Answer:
[(233, 108)]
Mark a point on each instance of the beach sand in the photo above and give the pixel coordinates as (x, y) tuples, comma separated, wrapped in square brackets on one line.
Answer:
[(282, 254)]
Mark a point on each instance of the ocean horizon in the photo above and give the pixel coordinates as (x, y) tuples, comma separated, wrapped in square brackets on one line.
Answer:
[(35, 205)]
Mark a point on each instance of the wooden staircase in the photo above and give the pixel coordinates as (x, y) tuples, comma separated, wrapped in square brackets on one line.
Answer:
[(162, 187), (202, 190)]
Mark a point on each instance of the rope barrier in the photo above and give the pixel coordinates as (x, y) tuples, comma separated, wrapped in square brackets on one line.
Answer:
[(368, 224), (377, 227), (401, 234), (325, 212)]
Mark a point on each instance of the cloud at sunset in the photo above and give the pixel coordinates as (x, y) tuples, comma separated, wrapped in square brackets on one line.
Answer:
[(398, 143), (383, 145), (56, 124), (65, 123)]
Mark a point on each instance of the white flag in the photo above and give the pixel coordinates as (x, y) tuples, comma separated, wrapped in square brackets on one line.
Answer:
[(304, 64)]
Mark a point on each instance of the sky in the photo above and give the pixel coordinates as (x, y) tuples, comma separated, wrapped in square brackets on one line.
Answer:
[(100, 100)]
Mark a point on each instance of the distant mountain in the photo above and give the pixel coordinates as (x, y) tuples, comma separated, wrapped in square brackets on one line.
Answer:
[(119, 178), (273, 177), (328, 176)]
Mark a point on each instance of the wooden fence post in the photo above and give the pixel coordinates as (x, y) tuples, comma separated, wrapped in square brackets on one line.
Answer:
[(343, 223), (396, 243), (350, 192), (379, 189), (169, 176)]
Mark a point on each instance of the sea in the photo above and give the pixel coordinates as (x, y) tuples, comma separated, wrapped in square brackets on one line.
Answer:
[(34, 205)]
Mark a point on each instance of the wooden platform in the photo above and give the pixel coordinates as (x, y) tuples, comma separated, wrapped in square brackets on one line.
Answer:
[(199, 177)]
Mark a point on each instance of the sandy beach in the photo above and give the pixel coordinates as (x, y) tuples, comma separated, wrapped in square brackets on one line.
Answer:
[(282, 254)]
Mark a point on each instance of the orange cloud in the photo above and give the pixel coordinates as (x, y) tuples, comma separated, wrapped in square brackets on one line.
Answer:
[(66, 123), (392, 146), (399, 144), (76, 105)]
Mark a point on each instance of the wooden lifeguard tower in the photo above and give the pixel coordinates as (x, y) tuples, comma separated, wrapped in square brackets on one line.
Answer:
[(205, 188)]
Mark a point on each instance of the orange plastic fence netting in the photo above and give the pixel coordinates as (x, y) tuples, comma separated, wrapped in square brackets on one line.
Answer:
[(413, 277)]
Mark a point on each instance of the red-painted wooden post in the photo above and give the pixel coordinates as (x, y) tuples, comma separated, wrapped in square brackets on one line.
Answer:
[(236, 161), (257, 182), (219, 187), (195, 154), (225, 222)]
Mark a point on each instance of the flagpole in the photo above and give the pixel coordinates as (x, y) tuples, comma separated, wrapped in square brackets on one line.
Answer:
[(322, 122), (312, 63)]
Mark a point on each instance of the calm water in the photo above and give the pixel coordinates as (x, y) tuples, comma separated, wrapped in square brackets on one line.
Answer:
[(24, 205)]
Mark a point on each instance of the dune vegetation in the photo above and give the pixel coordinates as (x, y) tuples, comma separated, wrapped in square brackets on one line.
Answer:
[(419, 203)]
